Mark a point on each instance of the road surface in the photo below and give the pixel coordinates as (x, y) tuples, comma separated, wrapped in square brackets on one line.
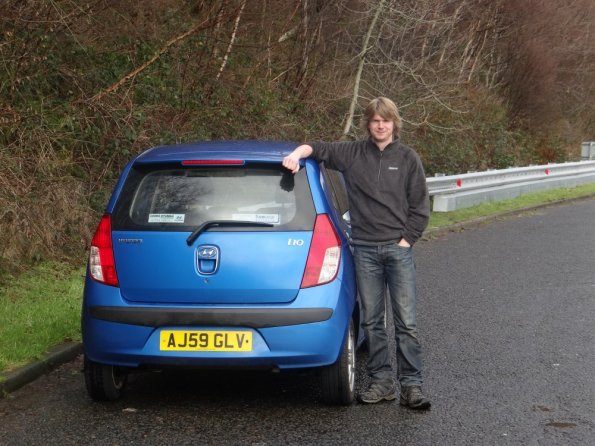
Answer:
[(506, 315)]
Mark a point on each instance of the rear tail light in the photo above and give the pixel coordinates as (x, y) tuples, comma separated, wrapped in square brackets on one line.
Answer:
[(213, 162), (325, 254), (102, 266)]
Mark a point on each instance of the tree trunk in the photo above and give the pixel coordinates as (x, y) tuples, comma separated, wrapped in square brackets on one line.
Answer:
[(360, 68), (232, 40)]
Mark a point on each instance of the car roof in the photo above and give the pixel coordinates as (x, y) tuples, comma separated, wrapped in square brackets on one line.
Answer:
[(249, 150)]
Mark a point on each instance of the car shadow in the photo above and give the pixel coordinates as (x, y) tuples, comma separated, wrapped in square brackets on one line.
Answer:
[(228, 388)]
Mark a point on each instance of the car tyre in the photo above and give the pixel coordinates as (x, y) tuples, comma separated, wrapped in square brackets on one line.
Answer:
[(104, 382), (338, 379)]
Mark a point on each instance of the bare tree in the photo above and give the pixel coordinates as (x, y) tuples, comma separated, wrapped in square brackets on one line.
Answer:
[(360, 67), (232, 40)]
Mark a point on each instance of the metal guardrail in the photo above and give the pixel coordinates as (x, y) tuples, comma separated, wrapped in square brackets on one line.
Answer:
[(459, 191)]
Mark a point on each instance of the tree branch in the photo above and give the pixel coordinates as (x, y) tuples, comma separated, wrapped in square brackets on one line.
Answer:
[(112, 88)]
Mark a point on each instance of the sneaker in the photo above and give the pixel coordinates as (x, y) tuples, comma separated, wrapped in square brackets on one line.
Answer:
[(377, 392), (412, 397)]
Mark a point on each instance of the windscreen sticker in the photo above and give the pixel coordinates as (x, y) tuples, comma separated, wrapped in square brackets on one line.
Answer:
[(258, 218), (167, 218)]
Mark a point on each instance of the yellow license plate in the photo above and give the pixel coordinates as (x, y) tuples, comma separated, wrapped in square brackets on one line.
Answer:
[(205, 341)]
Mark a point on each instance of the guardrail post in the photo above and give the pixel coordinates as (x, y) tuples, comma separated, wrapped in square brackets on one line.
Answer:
[(588, 150)]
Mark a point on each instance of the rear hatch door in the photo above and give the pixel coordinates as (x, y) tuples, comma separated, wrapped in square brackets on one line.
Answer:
[(257, 221)]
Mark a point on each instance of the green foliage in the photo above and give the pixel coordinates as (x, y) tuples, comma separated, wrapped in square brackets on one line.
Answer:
[(474, 138)]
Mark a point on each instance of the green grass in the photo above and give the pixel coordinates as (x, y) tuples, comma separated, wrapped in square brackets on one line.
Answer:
[(39, 309)]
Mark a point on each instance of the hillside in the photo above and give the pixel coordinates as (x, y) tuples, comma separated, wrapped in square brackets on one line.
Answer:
[(86, 84)]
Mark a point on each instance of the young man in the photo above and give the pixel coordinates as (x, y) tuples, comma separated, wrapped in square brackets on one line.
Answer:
[(389, 210)]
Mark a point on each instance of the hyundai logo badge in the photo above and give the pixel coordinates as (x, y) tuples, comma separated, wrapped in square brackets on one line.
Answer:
[(207, 259), (208, 252)]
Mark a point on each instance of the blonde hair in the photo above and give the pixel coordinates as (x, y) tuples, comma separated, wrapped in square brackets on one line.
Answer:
[(385, 108)]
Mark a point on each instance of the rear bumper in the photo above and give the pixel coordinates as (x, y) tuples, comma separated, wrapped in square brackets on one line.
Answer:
[(299, 346), (237, 317), (307, 333)]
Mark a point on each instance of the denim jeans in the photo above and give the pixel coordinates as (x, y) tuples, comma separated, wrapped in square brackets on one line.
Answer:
[(376, 268)]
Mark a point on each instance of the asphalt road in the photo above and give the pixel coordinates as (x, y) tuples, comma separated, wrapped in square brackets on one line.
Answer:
[(507, 319)]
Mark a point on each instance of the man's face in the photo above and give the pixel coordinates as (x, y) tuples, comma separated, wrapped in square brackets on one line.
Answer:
[(381, 129)]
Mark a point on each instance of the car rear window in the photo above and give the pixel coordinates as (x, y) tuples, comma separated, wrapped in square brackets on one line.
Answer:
[(177, 198)]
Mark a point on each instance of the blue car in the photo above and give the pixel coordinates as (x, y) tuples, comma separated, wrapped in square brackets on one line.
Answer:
[(211, 254)]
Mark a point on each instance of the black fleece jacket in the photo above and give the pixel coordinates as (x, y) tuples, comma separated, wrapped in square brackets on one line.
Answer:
[(388, 196)]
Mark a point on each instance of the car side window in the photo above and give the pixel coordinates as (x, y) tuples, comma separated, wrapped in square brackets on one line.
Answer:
[(337, 188)]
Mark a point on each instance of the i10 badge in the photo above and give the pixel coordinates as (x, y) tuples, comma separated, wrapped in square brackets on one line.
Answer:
[(207, 259)]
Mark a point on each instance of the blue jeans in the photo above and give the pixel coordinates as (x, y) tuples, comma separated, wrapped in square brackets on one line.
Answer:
[(376, 268)]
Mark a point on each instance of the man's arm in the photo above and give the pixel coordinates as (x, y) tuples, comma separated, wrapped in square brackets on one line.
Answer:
[(419, 204), (292, 161)]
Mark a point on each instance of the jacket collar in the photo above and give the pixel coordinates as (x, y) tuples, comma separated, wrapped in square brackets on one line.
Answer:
[(390, 146)]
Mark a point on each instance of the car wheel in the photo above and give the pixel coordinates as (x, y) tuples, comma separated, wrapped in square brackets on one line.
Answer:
[(104, 382), (338, 380)]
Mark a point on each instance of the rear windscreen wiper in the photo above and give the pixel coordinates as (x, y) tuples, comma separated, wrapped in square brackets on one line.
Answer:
[(220, 223)]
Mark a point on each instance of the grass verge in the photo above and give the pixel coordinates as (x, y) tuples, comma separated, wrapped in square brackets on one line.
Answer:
[(41, 308)]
